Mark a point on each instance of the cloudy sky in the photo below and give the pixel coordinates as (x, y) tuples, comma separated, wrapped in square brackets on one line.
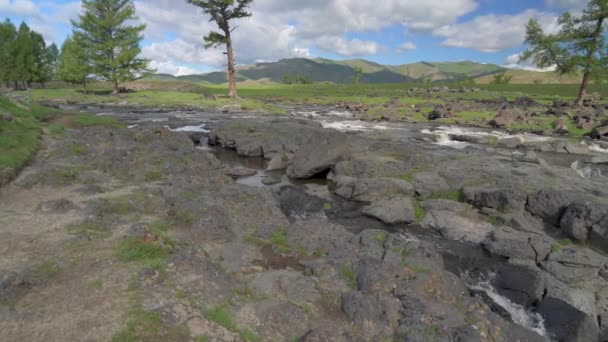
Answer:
[(385, 31)]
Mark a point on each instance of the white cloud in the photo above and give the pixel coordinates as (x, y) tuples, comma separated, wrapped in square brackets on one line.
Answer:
[(343, 47), (20, 8), (407, 46), (514, 62), (493, 33), (173, 69)]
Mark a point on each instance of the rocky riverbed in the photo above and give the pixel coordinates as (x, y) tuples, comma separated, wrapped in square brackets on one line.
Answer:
[(314, 227)]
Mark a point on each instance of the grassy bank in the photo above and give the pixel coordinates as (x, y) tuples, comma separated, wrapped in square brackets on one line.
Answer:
[(19, 137)]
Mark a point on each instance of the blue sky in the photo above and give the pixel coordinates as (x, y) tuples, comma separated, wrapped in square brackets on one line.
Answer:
[(384, 31)]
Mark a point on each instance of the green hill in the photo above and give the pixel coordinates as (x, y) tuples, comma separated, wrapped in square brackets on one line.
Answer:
[(326, 70)]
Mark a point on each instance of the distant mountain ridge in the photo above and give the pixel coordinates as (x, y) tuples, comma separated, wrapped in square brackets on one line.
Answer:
[(326, 70)]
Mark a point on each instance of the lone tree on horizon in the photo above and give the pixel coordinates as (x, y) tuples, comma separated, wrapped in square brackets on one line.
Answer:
[(222, 12), (111, 43), (580, 45)]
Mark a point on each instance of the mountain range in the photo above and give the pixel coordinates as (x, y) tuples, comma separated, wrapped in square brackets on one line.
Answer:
[(326, 70)]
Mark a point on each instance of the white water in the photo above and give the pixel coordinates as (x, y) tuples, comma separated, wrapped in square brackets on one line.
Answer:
[(443, 134), (198, 129), (443, 139), (352, 126), (595, 147), (585, 171), (519, 314)]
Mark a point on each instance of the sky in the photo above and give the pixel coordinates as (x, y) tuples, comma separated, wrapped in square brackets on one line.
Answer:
[(383, 31)]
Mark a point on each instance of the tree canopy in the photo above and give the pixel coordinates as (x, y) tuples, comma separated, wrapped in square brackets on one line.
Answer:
[(25, 56), (579, 46), (111, 42)]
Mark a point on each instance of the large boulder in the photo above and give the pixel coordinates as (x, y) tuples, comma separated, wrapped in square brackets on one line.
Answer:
[(573, 264), (523, 284), (600, 131), (580, 217), (323, 150), (379, 312), (455, 221), (510, 243), (499, 199), (550, 205), (370, 189), (393, 210), (566, 323)]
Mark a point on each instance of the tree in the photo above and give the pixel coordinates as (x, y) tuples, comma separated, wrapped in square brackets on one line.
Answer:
[(113, 45), (74, 63), (24, 57), (501, 78), (222, 12), (8, 35), (579, 46), (358, 74)]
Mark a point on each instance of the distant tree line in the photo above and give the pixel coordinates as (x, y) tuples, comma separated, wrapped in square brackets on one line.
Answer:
[(24, 57), (291, 79)]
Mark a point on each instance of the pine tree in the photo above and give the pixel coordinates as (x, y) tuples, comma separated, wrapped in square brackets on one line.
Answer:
[(113, 44), (8, 35), (579, 46), (222, 12), (24, 57), (73, 65)]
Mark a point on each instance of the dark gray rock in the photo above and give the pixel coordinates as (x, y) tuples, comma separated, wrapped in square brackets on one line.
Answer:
[(522, 284), (550, 205), (510, 243), (297, 204), (59, 206), (580, 217), (566, 323), (370, 189), (499, 199), (320, 153), (598, 236), (382, 311), (572, 264), (429, 182), (393, 210), (239, 172)]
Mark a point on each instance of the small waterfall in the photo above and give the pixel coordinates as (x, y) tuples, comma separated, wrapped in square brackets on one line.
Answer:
[(585, 171), (519, 314)]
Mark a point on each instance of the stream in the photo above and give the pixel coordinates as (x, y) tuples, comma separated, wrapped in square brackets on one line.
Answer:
[(471, 263)]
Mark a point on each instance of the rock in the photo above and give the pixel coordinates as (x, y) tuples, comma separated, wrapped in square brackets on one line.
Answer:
[(322, 151), (572, 264), (561, 126), (455, 221), (506, 117), (549, 205), (239, 172), (577, 149), (600, 131), (522, 284), (278, 162), (375, 276), (440, 112), (394, 210), (599, 160), (498, 199), (429, 182), (296, 203), (602, 312), (369, 167), (525, 101), (566, 323), (580, 217), (598, 236), (370, 189), (377, 311), (253, 149), (509, 243)]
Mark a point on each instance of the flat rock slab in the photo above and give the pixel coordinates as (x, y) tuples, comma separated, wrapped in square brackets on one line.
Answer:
[(394, 210)]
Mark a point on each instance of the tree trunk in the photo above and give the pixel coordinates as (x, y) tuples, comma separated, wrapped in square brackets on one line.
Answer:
[(597, 34), (583, 90), (231, 70), (84, 85), (116, 90)]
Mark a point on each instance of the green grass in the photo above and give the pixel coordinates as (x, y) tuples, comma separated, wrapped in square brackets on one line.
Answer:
[(419, 211), (78, 149), (87, 120), (135, 249), (471, 116), (19, 140), (221, 315), (348, 275), (279, 241), (559, 245), (456, 196)]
